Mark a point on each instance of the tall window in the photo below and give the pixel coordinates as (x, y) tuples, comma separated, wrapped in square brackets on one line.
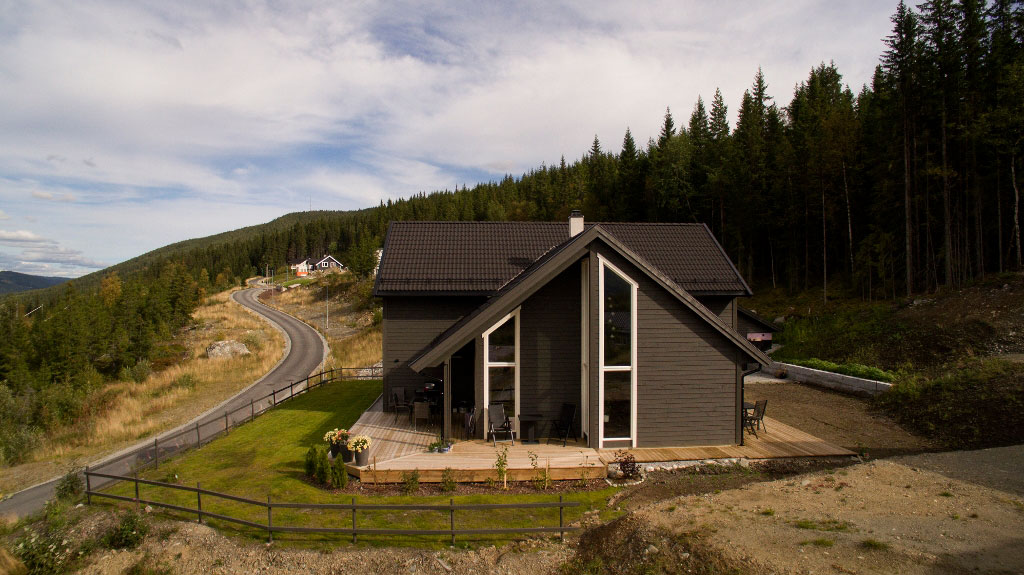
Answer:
[(501, 357), (618, 353)]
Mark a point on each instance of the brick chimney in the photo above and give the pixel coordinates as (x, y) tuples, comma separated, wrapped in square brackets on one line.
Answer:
[(575, 223)]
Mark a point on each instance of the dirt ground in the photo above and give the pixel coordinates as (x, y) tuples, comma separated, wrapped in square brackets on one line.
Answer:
[(844, 420), (884, 516)]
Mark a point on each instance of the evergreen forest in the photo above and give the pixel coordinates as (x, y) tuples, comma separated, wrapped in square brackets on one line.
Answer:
[(903, 186)]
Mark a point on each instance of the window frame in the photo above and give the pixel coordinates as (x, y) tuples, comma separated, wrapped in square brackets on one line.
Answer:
[(488, 364), (603, 265)]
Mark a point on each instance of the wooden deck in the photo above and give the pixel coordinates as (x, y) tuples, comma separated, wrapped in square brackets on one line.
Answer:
[(398, 449), (777, 440)]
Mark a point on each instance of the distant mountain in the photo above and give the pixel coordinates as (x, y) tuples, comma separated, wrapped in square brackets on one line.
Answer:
[(11, 282)]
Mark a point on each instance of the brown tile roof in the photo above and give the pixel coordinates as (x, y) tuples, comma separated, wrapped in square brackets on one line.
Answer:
[(481, 257)]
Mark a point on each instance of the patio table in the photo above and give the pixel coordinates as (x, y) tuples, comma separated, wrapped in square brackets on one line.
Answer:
[(528, 432)]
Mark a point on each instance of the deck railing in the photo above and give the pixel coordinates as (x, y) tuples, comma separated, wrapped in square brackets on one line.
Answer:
[(354, 507)]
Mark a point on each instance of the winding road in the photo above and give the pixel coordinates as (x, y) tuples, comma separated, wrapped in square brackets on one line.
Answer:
[(304, 351)]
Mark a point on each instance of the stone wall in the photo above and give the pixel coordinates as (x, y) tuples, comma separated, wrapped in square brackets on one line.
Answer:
[(837, 381)]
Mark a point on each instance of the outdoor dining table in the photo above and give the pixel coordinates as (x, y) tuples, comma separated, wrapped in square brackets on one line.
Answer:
[(528, 432)]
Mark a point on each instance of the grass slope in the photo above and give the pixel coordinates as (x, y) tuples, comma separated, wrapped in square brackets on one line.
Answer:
[(265, 457)]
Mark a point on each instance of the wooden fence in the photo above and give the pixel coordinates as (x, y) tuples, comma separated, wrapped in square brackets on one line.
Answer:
[(354, 507), (201, 433)]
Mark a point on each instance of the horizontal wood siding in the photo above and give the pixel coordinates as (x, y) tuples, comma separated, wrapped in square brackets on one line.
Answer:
[(686, 370), (722, 306), (409, 324), (549, 352)]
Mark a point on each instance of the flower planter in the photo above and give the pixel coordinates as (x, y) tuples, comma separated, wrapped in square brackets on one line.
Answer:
[(335, 449), (363, 458), (346, 455)]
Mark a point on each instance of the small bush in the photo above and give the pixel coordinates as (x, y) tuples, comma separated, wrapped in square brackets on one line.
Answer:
[(47, 553), (16, 442), (820, 542), (253, 341), (627, 464), (339, 473), (448, 483), (70, 486), (851, 369), (874, 545), (128, 533), (141, 371), (321, 470), (310, 463), (410, 481)]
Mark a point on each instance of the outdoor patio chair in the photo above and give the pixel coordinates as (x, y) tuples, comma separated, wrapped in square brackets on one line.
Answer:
[(755, 420), (499, 423), (563, 426), (400, 402), (420, 410)]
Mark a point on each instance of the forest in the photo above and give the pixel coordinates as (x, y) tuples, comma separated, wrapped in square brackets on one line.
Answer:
[(903, 186)]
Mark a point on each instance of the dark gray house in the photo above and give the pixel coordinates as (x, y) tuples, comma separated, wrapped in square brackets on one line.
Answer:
[(633, 323), (757, 330)]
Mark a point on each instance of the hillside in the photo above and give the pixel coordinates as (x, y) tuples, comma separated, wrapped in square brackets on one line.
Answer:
[(12, 282)]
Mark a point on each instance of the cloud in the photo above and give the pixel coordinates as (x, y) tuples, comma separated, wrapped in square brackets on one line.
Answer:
[(4, 216), (61, 256), (203, 119), (23, 238)]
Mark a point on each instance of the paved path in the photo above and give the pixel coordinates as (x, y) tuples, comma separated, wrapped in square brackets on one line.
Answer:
[(305, 350)]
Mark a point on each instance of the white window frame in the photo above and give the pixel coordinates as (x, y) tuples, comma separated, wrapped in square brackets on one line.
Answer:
[(489, 364), (602, 368)]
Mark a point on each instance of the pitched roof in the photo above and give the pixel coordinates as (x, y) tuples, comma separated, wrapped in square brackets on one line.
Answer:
[(547, 267), (753, 317), (481, 257)]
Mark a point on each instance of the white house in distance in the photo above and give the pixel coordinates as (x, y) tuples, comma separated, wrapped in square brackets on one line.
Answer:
[(304, 266), (300, 267)]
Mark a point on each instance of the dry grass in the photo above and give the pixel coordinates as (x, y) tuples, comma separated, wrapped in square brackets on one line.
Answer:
[(360, 350), (124, 412)]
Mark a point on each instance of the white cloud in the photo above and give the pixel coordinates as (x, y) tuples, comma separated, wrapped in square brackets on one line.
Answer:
[(141, 124), (22, 238)]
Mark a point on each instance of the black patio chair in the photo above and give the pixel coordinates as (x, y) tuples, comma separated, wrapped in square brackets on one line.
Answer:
[(400, 402), (755, 420), (470, 423), (563, 426), (497, 422)]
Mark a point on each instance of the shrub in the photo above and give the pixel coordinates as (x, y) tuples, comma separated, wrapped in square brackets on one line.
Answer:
[(141, 371), (44, 553), (70, 486), (128, 533), (185, 381), (310, 465), (627, 464), (448, 483), (339, 473), (16, 442), (321, 470), (851, 369), (253, 341), (410, 481)]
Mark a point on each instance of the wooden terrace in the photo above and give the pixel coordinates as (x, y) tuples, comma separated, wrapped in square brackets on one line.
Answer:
[(398, 447)]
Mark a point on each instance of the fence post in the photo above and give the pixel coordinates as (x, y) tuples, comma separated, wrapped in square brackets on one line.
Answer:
[(291, 389), (225, 422), (199, 502), (199, 438), (88, 487), (273, 395), (451, 517), (137, 504), (156, 451), (355, 537), (252, 410), (270, 522), (561, 510)]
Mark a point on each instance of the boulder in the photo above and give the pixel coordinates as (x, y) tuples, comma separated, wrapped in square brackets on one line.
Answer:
[(227, 348)]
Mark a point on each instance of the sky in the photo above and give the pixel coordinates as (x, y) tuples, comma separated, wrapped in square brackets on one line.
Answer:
[(126, 126)]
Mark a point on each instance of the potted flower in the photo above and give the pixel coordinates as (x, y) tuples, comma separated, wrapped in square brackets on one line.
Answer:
[(337, 439), (360, 445)]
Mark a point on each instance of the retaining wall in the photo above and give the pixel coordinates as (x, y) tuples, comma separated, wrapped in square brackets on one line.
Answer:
[(837, 381)]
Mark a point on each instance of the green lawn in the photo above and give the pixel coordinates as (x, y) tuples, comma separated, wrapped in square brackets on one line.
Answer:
[(265, 457)]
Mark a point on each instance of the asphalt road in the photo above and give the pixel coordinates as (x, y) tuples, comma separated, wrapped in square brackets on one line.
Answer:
[(304, 352)]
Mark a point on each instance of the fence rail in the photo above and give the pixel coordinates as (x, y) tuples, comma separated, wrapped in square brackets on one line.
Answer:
[(354, 507), (200, 434)]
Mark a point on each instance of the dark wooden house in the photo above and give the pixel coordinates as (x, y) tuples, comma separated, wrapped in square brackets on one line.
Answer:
[(633, 323)]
